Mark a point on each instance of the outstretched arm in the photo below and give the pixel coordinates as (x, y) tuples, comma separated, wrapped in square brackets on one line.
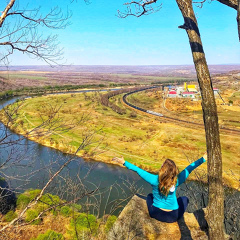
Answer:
[(148, 177), (182, 176)]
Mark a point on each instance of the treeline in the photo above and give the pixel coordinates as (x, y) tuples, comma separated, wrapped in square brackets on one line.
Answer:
[(6, 94), (105, 99), (122, 84), (56, 88), (179, 81)]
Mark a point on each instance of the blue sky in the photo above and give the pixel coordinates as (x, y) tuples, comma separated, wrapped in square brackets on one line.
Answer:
[(97, 37)]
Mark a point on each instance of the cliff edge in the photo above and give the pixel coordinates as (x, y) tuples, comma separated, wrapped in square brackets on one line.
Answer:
[(135, 223)]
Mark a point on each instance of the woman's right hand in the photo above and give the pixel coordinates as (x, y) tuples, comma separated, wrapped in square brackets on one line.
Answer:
[(119, 160)]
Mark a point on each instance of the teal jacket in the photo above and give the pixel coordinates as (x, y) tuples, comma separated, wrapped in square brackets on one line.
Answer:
[(159, 200)]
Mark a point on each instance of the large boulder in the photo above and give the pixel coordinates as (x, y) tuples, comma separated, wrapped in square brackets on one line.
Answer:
[(135, 223)]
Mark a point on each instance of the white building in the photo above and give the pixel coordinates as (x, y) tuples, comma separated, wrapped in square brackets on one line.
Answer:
[(216, 91), (188, 94)]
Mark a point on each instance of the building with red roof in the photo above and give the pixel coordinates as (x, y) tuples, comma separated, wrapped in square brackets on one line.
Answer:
[(172, 94)]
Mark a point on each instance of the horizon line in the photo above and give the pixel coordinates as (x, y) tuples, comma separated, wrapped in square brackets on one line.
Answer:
[(112, 65)]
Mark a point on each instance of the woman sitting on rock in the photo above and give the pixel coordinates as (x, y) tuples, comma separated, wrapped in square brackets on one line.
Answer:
[(162, 203)]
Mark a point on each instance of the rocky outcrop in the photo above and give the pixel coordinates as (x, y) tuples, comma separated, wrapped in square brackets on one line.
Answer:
[(135, 223)]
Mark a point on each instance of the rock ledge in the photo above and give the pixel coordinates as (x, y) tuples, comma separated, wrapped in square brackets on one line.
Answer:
[(135, 223)]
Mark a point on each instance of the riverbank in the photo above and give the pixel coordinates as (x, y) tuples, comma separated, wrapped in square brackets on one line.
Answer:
[(38, 91)]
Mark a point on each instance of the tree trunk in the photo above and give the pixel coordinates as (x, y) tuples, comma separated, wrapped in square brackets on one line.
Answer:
[(215, 209), (238, 19)]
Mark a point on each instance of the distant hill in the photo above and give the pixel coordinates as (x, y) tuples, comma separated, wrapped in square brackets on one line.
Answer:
[(155, 70), (18, 77)]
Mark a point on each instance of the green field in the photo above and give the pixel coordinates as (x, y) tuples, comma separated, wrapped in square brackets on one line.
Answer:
[(152, 78), (142, 140), (13, 76), (235, 97)]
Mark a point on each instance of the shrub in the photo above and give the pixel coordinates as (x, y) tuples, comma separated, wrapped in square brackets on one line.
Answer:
[(33, 193), (49, 235), (24, 198), (10, 216), (83, 226), (66, 211), (85, 222), (22, 201), (32, 214), (50, 199), (76, 207), (133, 115), (109, 223)]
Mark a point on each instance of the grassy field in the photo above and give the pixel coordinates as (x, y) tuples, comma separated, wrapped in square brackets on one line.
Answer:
[(142, 140), (14, 76), (153, 78)]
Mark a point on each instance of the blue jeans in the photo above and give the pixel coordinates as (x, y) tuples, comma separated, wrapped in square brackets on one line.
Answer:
[(165, 216)]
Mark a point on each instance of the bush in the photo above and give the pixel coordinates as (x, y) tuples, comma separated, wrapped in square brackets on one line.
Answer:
[(24, 198), (33, 193), (10, 216), (49, 235), (22, 201), (50, 199), (133, 115), (87, 222), (110, 221), (32, 214), (76, 207), (83, 226), (66, 211)]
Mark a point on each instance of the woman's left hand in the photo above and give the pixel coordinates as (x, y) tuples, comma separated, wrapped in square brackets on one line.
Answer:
[(205, 156), (119, 160)]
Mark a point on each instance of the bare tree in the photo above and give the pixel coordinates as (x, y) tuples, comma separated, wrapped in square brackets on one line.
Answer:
[(21, 30), (210, 116), (14, 151), (51, 124)]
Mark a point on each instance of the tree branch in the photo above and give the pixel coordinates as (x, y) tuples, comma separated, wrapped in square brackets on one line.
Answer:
[(54, 19), (139, 8), (19, 32), (5, 12)]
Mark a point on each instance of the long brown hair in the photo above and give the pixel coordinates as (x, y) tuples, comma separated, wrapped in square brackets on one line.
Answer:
[(167, 176)]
